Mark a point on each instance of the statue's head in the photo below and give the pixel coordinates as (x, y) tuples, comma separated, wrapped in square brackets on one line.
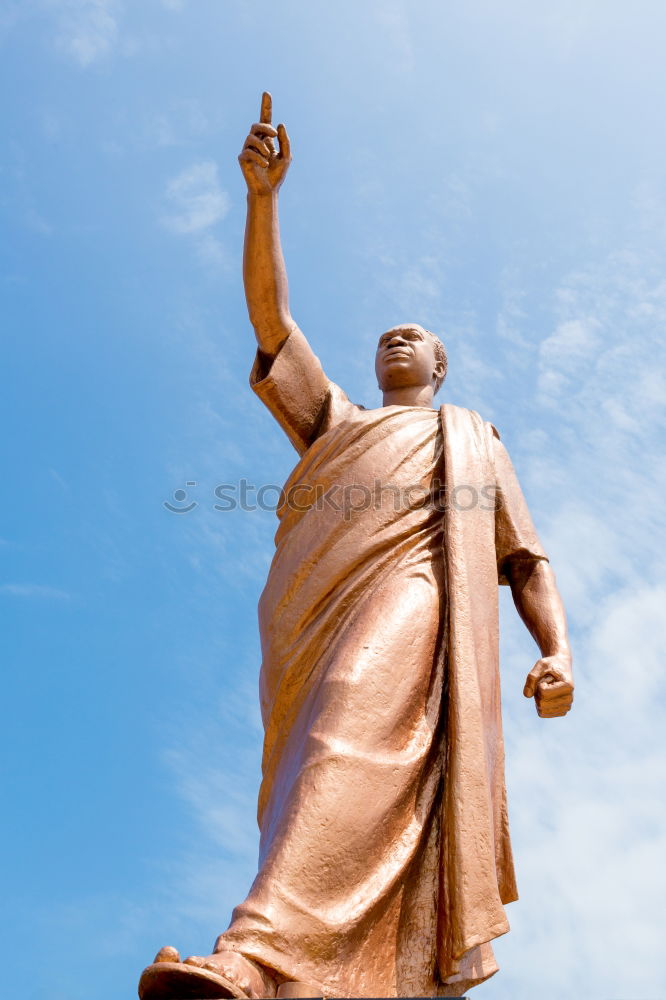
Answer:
[(409, 356)]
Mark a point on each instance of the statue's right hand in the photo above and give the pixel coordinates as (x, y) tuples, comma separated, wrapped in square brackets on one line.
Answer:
[(264, 168), (550, 683)]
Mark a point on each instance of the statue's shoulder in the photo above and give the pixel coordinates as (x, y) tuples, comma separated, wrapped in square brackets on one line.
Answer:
[(461, 416)]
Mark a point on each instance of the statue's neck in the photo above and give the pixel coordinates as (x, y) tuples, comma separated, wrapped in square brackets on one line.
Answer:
[(409, 396)]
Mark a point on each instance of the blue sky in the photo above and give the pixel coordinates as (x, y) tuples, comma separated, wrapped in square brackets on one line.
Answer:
[(494, 171)]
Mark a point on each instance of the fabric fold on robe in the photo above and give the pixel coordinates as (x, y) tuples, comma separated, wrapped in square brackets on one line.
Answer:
[(477, 873)]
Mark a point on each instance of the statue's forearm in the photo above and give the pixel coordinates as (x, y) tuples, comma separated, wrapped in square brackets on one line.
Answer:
[(539, 604), (265, 275)]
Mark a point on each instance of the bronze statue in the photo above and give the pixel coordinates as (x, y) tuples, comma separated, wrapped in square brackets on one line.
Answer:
[(385, 859)]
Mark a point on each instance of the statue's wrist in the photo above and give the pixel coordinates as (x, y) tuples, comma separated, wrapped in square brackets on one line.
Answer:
[(262, 196), (562, 651)]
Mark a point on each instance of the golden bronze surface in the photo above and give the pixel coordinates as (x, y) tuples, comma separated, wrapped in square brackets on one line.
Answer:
[(385, 859)]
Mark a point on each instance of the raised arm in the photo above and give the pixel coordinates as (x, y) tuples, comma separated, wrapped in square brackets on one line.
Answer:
[(538, 602), (264, 274)]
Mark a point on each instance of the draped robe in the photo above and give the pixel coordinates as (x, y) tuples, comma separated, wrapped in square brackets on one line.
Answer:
[(385, 857)]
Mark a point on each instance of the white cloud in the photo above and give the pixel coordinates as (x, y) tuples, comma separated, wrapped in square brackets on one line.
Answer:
[(213, 254), (196, 200), (573, 345), (196, 203), (87, 29), (586, 793), (222, 861), (606, 357), (588, 814)]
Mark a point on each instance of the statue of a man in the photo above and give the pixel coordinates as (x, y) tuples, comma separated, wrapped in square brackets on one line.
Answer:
[(385, 859)]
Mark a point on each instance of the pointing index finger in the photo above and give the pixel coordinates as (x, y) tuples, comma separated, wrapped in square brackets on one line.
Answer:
[(266, 108)]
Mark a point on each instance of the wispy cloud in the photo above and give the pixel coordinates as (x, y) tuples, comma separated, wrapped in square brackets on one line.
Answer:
[(213, 254), (586, 792), (214, 760), (573, 345), (588, 817), (601, 376), (87, 30), (195, 199), (195, 203)]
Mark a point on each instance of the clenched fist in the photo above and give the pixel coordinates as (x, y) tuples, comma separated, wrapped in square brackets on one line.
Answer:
[(550, 683), (264, 167)]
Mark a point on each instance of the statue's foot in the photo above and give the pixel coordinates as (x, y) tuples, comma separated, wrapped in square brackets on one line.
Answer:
[(220, 976), (251, 978), (167, 954)]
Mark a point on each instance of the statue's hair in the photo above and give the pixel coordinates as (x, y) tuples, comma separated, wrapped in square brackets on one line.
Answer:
[(440, 355)]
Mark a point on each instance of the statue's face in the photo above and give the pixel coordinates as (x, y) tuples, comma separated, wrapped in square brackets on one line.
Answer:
[(406, 358)]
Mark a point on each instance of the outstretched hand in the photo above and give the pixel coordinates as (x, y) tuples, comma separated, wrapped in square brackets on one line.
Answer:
[(550, 683), (264, 167)]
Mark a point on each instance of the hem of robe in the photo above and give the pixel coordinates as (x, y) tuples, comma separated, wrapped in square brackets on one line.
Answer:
[(286, 969)]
